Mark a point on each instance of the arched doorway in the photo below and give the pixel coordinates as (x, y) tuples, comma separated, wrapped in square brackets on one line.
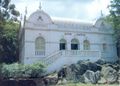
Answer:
[(62, 44), (74, 44)]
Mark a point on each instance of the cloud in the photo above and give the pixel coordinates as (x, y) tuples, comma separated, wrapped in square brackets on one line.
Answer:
[(82, 1), (75, 9)]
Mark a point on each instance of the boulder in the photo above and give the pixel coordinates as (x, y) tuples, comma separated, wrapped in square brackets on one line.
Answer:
[(109, 74), (75, 71), (82, 66), (100, 62), (70, 75), (91, 77), (98, 75), (53, 81), (119, 76), (82, 69), (81, 79), (50, 80), (74, 67), (94, 67)]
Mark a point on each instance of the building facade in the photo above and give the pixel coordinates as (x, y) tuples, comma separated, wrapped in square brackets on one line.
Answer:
[(58, 42)]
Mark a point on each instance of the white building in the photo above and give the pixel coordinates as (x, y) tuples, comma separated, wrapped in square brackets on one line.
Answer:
[(57, 42)]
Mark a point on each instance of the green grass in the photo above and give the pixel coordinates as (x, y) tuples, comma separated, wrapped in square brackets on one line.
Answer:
[(81, 84)]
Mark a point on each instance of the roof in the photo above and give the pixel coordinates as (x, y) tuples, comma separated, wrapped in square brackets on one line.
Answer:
[(71, 23)]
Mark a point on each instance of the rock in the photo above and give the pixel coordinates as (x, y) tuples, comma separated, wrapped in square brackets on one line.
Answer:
[(91, 77), (75, 71), (81, 79), (119, 76), (98, 75), (100, 62), (53, 81), (116, 67), (73, 67), (70, 75), (109, 74), (39, 82), (81, 68), (94, 67)]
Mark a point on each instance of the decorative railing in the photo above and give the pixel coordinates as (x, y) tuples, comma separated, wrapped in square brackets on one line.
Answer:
[(70, 53), (51, 58), (104, 54), (81, 53), (39, 52)]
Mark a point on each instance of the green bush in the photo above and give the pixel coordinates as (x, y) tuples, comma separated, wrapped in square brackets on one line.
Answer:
[(22, 71), (37, 70)]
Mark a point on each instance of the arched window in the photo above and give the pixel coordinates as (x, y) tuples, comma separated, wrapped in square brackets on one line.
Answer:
[(86, 45), (40, 46), (63, 44), (74, 44), (104, 46)]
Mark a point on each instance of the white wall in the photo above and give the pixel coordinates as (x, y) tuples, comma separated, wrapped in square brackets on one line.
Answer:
[(52, 38)]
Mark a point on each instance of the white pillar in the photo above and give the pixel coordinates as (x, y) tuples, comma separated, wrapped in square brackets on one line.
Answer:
[(68, 46)]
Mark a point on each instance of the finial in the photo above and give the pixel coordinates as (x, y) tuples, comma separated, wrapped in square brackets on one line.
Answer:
[(101, 13), (25, 10), (21, 17), (25, 15), (40, 5)]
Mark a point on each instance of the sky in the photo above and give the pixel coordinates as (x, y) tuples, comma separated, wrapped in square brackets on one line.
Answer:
[(88, 10)]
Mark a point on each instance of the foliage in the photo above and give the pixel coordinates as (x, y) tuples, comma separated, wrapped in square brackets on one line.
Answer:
[(37, 70), (10, 70), (8, 11), (8, 32), (115, 17), (16, 70), (9, 42)]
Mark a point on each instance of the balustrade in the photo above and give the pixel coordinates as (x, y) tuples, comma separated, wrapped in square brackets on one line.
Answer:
[(52, 58), (81, 53), (39, 52), (71, 53)]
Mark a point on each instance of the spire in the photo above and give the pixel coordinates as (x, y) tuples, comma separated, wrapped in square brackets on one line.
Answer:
[(25, 10), (20, 17), (25, 16), (101, 13), (25, 13), (40, 7)]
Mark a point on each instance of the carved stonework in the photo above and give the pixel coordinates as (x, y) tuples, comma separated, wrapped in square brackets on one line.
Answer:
[(80, 34), (68, 33)]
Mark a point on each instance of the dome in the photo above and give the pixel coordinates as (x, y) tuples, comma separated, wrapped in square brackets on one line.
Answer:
[(101, 23), (39, 18)]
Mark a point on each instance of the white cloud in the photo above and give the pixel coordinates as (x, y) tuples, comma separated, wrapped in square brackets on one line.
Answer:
[(76, 9), (93, 9)]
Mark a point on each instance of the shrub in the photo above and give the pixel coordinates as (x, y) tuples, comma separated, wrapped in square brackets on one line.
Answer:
[(37, 70), (22, 71)]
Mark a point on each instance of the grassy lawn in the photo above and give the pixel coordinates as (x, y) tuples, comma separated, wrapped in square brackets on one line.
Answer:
[(81, 84)]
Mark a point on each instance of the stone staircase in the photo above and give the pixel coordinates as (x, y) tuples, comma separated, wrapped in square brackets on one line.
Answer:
[(52, 58), (56, 60)]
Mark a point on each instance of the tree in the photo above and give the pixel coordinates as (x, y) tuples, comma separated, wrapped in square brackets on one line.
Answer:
[(7, 10), (115, 19), (9, 43), (8, 32)]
